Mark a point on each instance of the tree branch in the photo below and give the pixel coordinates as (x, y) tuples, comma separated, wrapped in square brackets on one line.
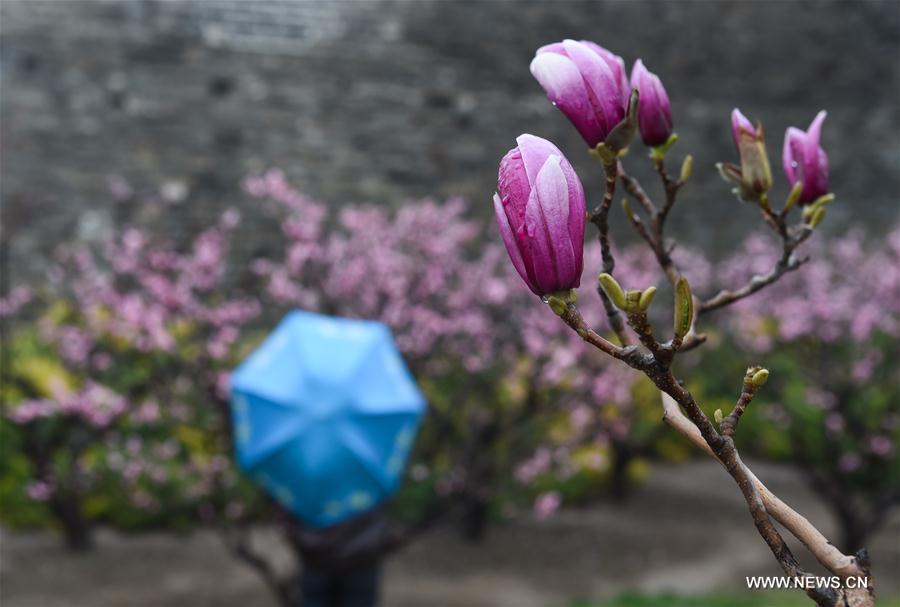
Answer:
[(799, 526), (788, 262), (600, 218), (237, 542)]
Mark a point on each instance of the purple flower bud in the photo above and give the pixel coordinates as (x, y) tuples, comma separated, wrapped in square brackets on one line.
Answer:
[(805, 161), (586, 82), (540, 209), (739, 123), (654, 110), (755, 178)]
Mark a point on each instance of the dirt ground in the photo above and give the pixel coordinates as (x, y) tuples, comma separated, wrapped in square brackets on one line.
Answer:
[(685, 530)]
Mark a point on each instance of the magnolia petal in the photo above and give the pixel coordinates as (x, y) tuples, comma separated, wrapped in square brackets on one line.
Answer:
[(814, 161), (739, 123), (654, 109), (535, 151), (509, 240), (513, 187), (603, 88), (553, 200), (577, 208), (564, 85), (791, 156)]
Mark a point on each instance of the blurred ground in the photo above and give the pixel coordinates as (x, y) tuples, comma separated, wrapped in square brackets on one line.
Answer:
[(685, 531), (386, 100)]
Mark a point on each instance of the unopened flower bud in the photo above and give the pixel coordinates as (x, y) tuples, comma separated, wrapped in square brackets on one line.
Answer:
[(814, 213), (684, 308), (586, 82), (687, 167), (759, 378), (540, 209), (756, 173), (754, 177), (632, 300), (654, 110), (613, 290), (558, 306), (793, 197), (646, 298), (717, 414), (816, 217)]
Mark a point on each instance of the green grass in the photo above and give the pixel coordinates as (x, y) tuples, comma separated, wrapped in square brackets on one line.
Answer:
[(754, 599)]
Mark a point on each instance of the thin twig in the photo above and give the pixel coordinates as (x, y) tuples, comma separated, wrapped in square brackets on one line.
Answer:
[(600, 218), (748, 391), (786, 263), (799, 526)]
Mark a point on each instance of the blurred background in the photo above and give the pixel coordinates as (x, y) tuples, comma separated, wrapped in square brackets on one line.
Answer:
[(147, 239)]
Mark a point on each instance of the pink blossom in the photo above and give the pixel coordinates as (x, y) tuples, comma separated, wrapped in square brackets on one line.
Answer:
[(40, 491), (547, 504)]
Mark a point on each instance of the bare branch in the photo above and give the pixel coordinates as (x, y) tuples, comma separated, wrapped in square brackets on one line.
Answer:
[(787, 263), (237, 540), (748, 391), (799, 526), (600, 218)]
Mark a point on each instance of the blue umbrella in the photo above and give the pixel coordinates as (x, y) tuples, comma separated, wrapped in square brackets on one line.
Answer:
[(325, 412)]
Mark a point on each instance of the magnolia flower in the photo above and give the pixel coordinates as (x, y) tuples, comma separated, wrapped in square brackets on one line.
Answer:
[(540, 209), (586, 82), (805, 161), (654, 110)]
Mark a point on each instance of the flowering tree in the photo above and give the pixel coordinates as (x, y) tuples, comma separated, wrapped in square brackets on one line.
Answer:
[(541, 210), (118, 396), (816, 326), (153, 330)]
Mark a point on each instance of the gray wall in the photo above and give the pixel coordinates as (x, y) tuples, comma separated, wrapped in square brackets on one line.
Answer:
[(386, 101)]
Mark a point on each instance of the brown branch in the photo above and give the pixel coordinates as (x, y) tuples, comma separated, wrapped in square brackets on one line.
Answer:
[(799, 526), (682, 411), (600, 218), (748, 391), (237, 542), (671, 187), (723, 449), (572, 317), (655, 236), (786, 263), (720, 446)]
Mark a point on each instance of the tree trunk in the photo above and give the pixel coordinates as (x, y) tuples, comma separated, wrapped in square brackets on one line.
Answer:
[(76, 528), (619, 485), (853, 532), (475, 519)]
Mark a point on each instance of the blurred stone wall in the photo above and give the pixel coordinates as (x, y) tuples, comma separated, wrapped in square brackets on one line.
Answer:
[(384, 101)]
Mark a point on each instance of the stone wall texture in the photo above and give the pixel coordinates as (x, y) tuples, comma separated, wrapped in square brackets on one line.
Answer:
[(385, 101)]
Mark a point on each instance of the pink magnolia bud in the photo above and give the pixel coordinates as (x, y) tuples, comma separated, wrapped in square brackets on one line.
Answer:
[(586, 82), (755, 173), (805, 161), (654, 110), (739, 123), (540, 209)]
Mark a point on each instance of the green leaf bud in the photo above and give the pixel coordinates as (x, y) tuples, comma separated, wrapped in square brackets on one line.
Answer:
[(646, 298), (613, 290), (684, 308)]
